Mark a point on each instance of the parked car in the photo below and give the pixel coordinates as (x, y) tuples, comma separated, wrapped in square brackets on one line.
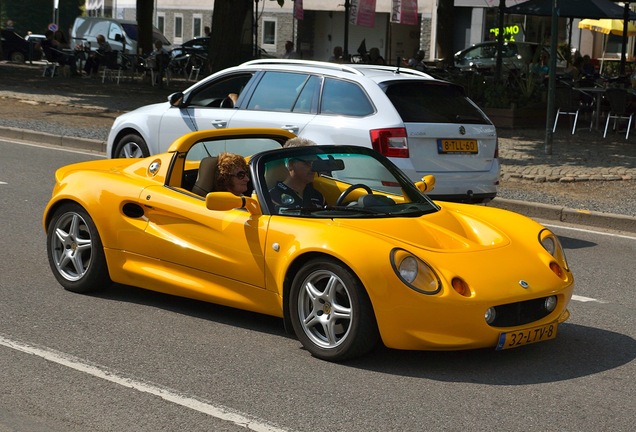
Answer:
[(425, 126), (120, 34), (18, 49), (200, 45), (380, 262), (515, 55)]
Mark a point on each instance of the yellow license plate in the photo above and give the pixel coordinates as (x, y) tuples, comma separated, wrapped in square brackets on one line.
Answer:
[(526, 336), (456, 146)]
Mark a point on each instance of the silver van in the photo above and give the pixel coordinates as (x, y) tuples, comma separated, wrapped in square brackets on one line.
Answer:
[(120, 34)]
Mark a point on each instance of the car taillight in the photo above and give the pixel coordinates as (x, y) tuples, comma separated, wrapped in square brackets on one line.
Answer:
[(497, 148), (390, 142)]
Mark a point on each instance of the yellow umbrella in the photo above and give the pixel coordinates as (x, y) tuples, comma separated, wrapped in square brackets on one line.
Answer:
[(607, 26)]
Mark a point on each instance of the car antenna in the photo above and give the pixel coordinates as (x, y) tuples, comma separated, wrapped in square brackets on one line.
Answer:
[(397, 71)]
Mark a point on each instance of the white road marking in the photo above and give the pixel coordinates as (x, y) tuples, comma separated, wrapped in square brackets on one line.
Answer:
[(590, 231), (586, 299), (57, 148), (1, 182), (167, 394)]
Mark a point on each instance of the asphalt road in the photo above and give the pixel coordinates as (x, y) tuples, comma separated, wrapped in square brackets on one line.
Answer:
[(133, 360)]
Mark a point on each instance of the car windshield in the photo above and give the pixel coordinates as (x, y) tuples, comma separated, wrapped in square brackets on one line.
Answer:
[(335, 182)]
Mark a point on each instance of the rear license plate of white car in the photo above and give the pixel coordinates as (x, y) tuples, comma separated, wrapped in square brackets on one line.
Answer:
[(526, 336), (456, 146)]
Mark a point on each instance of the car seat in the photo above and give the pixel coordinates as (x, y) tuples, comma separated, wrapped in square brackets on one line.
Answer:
[(206, 178)]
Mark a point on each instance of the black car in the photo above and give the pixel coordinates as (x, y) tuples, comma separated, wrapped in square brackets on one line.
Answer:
[(17, 49)]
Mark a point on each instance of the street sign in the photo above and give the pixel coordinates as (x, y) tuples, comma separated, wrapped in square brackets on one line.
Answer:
[(53, 27)]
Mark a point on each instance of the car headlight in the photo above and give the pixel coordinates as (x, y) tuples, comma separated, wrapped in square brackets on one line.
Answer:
[(551, 243), (414, 272)]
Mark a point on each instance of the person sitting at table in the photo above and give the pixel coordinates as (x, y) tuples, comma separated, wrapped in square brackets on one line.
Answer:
[(158, 59), (92, 62), (53, 47)]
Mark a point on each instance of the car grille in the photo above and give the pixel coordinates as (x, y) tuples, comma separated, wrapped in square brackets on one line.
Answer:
[(515, 314)]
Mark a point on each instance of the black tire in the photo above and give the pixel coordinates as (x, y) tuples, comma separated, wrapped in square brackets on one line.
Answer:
[(18, 57), (131, 146), (75, 250), (330, 311)]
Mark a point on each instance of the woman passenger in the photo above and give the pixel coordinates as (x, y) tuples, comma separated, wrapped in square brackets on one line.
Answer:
[(232, 174)]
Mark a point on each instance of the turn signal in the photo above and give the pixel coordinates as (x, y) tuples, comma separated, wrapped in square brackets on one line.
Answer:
[(556, 269), (461, 287)]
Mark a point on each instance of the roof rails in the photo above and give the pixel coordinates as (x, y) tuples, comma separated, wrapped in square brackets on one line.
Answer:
[(394, 69), (312, 63)]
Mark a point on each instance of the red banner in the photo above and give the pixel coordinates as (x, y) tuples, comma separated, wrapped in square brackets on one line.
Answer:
[(299, 13), (404, 12), (362, 12)]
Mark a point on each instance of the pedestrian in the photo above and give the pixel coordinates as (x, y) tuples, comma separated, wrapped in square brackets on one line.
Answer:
[(289, 51), (337, 55), (375, 58)]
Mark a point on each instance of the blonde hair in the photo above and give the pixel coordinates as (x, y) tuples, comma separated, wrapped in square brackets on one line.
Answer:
[(227, 163), (298, 142)]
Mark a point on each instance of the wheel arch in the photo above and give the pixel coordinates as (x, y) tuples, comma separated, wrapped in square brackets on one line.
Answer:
[(129, 130), (295, 266)]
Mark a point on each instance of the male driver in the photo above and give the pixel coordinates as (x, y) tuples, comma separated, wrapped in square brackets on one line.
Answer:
[(297, 190)]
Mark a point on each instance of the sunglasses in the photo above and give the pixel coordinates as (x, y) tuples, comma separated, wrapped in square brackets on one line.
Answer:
[(240, 175)]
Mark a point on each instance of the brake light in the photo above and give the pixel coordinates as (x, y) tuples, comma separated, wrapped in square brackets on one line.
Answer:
[(497, 148), (390, 142)]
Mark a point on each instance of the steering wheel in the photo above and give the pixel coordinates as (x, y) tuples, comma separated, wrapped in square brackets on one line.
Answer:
[(350, 189), (227, 103)]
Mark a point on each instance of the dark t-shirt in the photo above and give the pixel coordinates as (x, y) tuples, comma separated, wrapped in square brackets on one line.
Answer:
[(284, 197)]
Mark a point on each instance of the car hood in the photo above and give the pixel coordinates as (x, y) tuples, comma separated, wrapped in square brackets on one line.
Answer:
[(455, 228)]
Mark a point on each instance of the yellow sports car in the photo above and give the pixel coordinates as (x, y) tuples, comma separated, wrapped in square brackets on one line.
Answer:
[(335, 240)]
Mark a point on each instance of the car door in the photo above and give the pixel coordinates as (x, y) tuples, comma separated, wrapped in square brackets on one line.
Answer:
[(227, 245), (286, 100), (206, 107)]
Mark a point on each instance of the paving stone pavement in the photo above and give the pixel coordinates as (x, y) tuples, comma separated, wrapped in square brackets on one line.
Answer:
[(584, 156)]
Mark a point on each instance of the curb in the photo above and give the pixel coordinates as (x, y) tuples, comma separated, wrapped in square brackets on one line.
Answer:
[(534, 210), (51, 139), (564, 214)]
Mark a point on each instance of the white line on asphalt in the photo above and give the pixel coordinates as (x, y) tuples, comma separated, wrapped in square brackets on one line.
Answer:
[(167, 394), (1, 182), (590, 231), (586, 299), (56, 147)]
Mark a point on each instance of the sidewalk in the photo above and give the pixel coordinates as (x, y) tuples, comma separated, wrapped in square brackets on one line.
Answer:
[(65, 111)]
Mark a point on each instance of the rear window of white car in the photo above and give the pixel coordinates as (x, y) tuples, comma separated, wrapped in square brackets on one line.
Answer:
[(433, 102)]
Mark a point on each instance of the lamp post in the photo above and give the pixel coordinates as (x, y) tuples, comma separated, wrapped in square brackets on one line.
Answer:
[(345, 47)]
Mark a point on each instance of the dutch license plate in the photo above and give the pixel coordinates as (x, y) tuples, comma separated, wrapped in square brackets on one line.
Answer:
[(456, 146), (526, 336)]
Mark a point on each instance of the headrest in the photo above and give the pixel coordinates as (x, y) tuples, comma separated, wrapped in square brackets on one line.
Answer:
[(206, 178)]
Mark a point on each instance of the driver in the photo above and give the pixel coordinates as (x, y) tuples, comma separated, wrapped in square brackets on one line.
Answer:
[(297, 190)]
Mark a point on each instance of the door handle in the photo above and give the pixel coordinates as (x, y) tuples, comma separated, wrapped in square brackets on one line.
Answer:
[(291, 128), (219, 124)]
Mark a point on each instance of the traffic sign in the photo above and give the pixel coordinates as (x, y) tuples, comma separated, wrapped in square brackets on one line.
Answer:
[(53, 27)]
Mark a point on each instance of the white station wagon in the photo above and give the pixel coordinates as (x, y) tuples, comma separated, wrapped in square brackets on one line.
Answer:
[(425, 126)]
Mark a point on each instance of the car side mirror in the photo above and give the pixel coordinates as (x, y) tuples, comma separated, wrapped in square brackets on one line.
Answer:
[(176, 99), (224, 201), (427, 184)]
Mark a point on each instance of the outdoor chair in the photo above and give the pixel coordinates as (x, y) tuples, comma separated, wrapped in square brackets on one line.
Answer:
[(571, 102), (160, 70), (619, 100), (112, 66)]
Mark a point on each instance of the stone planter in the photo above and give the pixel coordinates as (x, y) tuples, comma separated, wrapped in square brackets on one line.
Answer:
[(517, 118)]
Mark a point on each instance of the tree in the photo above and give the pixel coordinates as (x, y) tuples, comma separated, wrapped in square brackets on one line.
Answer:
[(445, 28), (145, 9), (228, 41)]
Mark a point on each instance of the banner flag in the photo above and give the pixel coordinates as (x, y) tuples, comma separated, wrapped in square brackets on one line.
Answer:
[(362, 13), (404, 12), (299, 13)]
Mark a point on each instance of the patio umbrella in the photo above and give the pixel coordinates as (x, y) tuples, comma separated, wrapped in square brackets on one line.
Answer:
[(607, 26), (570, 9)]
